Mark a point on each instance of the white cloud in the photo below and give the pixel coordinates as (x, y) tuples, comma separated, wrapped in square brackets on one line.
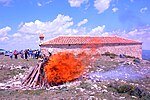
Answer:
[(76, 3), (82, 22), (101, 5), (87, 6), (115, 10), (136, 32), (17, 35), (142, 10), (28, 37), (58, 25), (48, 2), (39, 4), (132, 0), (140, 34), (5, 2), (28, 34), (4, 38), (43, 3), (20, 25), (4, 31), (98, 30)]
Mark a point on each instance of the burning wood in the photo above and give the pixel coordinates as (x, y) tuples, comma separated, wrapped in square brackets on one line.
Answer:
[(60, 68)]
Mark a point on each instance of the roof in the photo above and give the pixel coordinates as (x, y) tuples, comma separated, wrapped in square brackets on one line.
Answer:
[(90, 40)]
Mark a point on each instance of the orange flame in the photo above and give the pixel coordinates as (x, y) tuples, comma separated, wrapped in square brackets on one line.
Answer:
[(63, 67)]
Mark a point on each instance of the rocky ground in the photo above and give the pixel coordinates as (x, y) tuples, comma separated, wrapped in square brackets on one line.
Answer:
[(13, 71)]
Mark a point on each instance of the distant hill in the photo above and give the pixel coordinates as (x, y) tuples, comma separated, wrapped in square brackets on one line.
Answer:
[(146, 54)]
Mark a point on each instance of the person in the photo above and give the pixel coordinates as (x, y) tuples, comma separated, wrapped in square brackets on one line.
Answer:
[(11, 54), (45, 58), (15, 54), (34, 54), (22, 54), (26, 54), (30, 53), (50, 51), (37, 54)]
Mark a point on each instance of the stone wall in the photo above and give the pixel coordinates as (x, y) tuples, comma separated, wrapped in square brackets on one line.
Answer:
[(131, 50)]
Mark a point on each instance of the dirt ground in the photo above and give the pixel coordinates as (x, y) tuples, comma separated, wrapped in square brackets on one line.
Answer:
[(81, 89)]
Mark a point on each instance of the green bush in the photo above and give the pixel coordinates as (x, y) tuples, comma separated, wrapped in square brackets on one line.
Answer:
[(124, 88), (127, 56), (111, 55)]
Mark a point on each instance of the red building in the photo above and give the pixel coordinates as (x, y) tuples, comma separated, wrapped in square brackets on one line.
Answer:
[(112, 44)]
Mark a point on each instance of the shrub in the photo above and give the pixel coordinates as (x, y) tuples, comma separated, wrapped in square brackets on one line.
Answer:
[(111, 55)]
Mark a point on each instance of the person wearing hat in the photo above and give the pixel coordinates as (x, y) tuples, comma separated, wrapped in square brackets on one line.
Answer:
[(11, 54)]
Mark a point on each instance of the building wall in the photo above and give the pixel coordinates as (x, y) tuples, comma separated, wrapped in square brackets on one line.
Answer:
[(131, 50)]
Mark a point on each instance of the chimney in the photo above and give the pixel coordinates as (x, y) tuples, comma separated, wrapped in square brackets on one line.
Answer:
[(41, 36)]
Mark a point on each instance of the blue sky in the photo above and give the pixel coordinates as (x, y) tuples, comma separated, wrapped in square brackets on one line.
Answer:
[(21, 21)]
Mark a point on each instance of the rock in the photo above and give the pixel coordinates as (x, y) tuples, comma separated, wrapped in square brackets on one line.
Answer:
[(117, 79), (8, 87), (2, 84), (95, 86), (104, 91), (122, 97), (81, 89), (14, 77), (99, 88), (24, 67), (134, 97), (136, 92), (18, 67), (91, 97), (104, 86), (88, 81), (1, 67), (21, 76), (92, 87), (92, 93), (17, 83)]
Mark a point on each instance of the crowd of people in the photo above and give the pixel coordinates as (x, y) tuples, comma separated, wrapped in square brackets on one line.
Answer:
[(25, 54)]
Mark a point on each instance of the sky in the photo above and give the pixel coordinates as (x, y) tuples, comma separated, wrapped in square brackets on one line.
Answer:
[(21, 21)]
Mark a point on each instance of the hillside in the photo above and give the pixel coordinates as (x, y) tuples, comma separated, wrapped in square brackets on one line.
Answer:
[(116, 82)]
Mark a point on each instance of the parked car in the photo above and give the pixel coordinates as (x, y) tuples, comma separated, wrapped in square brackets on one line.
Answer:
[(2, 51), (6, 53)]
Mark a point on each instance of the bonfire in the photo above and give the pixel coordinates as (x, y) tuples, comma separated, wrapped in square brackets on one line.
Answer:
[(58, 69)]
